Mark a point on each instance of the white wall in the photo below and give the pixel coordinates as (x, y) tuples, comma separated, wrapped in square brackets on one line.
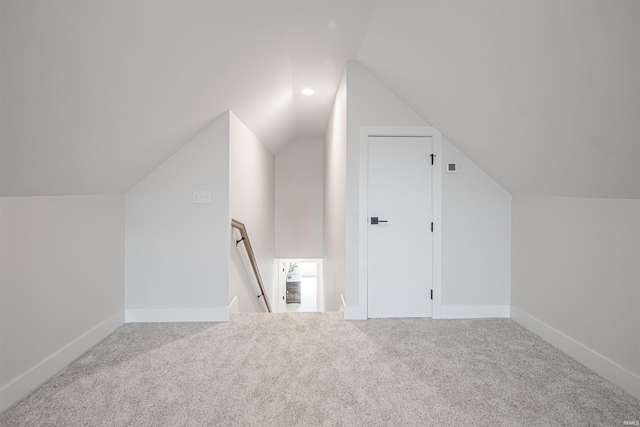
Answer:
[(476, 239), (575, 279), (476, 211), (251, 201), (334, 204), (298, 199), (369, 103), (177, 252), (61, 284)]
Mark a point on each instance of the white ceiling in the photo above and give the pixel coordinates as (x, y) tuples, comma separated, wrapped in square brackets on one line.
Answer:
[(544, 96)]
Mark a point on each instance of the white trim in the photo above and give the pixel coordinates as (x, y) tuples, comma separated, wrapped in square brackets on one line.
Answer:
[(34, 377), (157, 315), (233, 305), (474, 311), (437, 228), (601, 365), (281, 306), (365, 133), (355, 312)]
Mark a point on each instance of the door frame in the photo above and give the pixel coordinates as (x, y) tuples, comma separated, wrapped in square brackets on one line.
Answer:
[(436, 193)]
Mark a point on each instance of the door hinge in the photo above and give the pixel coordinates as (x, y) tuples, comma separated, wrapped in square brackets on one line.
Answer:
[(432, 227), (431, 293), (433, 156)]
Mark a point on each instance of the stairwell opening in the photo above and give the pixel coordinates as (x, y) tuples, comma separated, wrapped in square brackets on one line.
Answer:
[(299, 286)]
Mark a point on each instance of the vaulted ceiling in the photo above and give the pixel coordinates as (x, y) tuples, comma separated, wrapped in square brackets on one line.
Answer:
[(543, 95)]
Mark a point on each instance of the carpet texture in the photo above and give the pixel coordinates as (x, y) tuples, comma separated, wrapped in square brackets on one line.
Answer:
[(308, 369)]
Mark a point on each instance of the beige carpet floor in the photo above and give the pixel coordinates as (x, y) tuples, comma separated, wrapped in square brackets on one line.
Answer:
[(308, 369)]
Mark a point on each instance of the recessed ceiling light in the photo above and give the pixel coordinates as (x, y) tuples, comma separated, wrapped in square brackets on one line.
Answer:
[(307, 91)]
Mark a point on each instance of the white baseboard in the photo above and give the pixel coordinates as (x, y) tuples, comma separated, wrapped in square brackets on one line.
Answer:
[(601, 365), (233, 305), (355, 312), (169, 315), (473, 311), (28, 381)]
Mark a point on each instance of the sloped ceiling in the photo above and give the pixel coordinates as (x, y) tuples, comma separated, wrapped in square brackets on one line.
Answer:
[(544, 96)]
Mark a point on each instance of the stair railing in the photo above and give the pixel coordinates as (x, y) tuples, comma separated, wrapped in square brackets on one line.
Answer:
[(254, 265)]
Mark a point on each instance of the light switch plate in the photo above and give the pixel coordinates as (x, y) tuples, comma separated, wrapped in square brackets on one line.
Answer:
[(202, 196)]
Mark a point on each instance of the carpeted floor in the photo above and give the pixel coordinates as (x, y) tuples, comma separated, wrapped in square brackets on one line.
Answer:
[(308, 369)]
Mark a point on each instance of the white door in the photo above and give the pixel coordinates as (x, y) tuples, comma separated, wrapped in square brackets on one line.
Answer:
[(400, 244)]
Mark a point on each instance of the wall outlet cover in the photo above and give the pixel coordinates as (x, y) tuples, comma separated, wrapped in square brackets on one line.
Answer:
[(201, 196)]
